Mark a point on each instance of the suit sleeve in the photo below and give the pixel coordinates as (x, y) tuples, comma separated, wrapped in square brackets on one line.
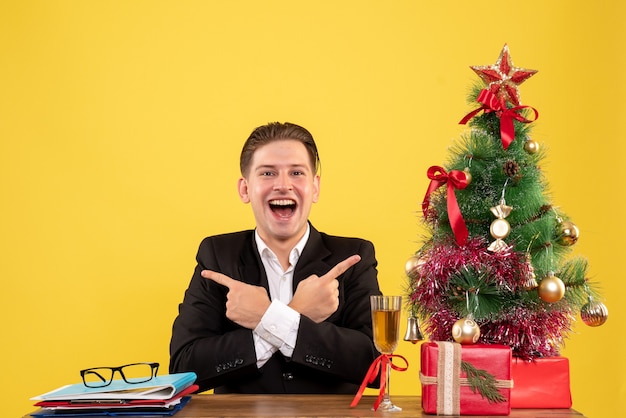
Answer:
[(203, 339), (342, 346)]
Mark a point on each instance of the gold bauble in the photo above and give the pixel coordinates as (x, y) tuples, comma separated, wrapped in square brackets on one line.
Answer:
[(468, 175), (465, 331), (413, 266), (594, 313), (500, 228), (551, 289), (567, 233), (531, 146)]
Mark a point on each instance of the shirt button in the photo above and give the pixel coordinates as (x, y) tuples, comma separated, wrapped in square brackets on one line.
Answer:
[(272, 328), (287, 376)]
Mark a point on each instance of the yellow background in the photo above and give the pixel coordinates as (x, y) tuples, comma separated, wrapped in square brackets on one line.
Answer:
[(121, 124)]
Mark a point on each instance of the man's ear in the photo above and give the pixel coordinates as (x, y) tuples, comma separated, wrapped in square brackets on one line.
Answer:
[(316, 191), (243, 190)]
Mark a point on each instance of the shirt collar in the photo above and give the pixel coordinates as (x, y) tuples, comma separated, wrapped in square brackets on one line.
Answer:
[(294, 255)]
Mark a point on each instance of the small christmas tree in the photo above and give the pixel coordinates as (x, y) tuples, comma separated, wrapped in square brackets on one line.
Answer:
[(495, 267)]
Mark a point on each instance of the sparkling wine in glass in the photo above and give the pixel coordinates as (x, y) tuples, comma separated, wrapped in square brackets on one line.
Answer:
[(386, 329)]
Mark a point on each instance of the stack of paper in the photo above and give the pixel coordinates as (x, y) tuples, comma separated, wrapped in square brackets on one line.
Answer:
[(161, 396)]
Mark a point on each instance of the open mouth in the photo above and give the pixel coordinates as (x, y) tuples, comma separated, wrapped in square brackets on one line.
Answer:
[(283, 207)]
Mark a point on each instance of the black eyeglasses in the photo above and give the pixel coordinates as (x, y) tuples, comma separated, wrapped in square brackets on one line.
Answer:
[(99, 377)]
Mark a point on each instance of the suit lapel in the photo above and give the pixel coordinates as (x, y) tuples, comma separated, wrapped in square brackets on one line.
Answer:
[(311, 259), (250, 267)]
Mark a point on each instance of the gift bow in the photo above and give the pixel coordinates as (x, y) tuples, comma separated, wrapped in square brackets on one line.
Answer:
[(490, 103), (378, 366), (455, 179)]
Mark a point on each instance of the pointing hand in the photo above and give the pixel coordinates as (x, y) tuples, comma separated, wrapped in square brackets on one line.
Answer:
[(245, 303), (318, 297)]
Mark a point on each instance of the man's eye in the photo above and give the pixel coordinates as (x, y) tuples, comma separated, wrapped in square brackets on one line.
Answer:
[(267, 173), (298, 173)]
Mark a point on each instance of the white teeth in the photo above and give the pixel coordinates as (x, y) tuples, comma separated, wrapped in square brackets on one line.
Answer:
[(282, 202)]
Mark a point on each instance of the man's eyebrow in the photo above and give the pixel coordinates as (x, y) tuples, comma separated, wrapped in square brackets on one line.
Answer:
[(273, 166)]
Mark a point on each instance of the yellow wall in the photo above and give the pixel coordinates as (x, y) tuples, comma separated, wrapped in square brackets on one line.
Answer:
[(121, 124)]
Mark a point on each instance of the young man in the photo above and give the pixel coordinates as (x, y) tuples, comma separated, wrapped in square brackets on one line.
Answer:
[(282, 308)]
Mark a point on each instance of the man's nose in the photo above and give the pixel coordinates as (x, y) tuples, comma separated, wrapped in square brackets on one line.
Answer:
[(283, 182)]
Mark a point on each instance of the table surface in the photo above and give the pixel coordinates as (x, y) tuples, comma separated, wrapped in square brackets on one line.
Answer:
[(320, 406)]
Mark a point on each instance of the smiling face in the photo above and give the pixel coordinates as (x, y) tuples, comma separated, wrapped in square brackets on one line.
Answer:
[(281, 185)]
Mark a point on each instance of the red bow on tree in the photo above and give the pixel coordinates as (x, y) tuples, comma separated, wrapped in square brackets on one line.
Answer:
[(456, 179), (490, 103)]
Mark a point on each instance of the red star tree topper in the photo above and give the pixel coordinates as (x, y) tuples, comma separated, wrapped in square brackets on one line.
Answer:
[(503, 78)]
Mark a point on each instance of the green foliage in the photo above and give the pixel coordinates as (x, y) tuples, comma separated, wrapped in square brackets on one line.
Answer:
[(482, 382), (471, 292), (573, 275)]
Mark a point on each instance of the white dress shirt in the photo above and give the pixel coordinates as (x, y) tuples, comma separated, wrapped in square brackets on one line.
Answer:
[(278, 329)]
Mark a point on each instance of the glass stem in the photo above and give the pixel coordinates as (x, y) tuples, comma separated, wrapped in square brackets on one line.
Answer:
[(386, 398)]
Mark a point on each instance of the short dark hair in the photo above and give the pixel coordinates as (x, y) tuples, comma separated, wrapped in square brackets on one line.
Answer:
[(275, 131)]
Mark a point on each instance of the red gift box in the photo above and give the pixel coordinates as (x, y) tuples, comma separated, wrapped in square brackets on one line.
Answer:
[(541, 383), (445, 388)]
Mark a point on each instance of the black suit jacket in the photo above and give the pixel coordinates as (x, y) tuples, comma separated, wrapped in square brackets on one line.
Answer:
[(329, 357)]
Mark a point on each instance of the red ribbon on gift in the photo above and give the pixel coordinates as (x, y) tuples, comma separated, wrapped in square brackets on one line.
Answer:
[(490, 103), (378, 366), (455, 179)]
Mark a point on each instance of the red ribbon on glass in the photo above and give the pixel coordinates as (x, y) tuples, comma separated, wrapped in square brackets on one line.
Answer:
[(455, 179), (378, 366), (490, 103)]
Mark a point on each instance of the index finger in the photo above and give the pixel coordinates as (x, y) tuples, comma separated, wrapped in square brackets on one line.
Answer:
[(218, 278), (341, 267)]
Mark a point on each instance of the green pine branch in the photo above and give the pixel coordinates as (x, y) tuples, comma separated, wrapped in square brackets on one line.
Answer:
[(482, 382), (472, 293)]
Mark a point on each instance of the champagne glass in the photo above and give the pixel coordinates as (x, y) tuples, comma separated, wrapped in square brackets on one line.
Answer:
[(386, 329)]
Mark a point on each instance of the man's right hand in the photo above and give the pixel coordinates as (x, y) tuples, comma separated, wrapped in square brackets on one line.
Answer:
[(318, 297), (246, 304)]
